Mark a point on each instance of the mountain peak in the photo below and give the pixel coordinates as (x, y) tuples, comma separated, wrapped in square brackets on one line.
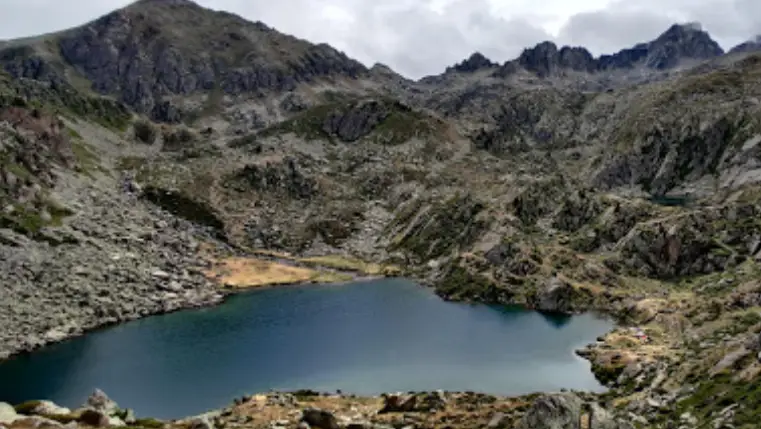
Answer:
[(176, 47), (546, 59), (681, 41), (751, 45), (475, 62)]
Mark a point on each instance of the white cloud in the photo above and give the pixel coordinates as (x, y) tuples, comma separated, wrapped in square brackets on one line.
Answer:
[(418, 37)]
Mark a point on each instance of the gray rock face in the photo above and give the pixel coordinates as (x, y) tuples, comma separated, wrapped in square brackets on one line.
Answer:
[(694, 243), (666, 156), (99, 401), (545, 59), (678, 43), (356, 122), (559, 411), (681, 41), (556, 296), (477, 61)]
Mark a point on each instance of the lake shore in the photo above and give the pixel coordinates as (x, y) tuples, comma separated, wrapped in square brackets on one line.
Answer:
[(310, 409)]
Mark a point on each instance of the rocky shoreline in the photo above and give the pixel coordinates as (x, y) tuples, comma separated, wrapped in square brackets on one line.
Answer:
[(309, 409)]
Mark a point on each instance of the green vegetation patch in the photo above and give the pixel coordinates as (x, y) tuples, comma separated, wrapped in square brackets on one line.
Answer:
[(185, 207), (382, 121), (460, 284)]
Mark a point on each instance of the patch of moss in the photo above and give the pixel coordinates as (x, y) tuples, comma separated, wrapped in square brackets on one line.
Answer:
[(249, 142), (145, 131), (607, 374), (460, 284), (148, 423), (29, 221), (27, 407), (713, 394), (63, 418), (307, 124), (87, 160), (74, 133), (178, 138), (185, 207), (400, 123)]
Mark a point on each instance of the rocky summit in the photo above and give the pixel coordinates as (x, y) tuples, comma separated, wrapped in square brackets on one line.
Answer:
[(141, 152)]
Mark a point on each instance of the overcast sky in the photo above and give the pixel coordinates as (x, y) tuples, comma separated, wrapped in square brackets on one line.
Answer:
[(420, 37)]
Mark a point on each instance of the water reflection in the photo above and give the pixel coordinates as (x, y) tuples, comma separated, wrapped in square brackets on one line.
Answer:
[(556, 319)]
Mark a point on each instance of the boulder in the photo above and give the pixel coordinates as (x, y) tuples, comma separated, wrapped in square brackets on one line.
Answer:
[(429, 402), (556, 411), (7, 413), (322, 419), (99, 401), (201, 422), (556, 296), (94, 418), (398, 403)]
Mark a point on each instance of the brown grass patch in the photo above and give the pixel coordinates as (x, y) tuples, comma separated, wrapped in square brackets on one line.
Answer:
[(250, 272)]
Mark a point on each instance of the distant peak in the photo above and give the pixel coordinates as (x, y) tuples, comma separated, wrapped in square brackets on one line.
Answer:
[(185, 3), (680, 31), (475, 62), (381, 67), (682, 41), (752, 45), (692, 26)]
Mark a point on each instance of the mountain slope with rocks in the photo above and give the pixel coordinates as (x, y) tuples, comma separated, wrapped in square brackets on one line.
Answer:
[(139, 148)]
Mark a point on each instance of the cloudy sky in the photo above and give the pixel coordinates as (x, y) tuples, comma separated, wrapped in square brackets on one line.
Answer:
[(420, 37)]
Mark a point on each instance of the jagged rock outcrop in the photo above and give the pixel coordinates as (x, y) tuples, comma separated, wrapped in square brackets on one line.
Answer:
[(753, 45), (681, 41), (357, 121), (697, 242), (477, 61), (545, 59), (678, 43)]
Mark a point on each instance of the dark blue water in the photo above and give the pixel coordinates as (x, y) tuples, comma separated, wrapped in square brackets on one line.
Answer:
[(365, 338)]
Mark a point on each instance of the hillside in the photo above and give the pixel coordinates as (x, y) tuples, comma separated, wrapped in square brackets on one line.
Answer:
[(138, 150)]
